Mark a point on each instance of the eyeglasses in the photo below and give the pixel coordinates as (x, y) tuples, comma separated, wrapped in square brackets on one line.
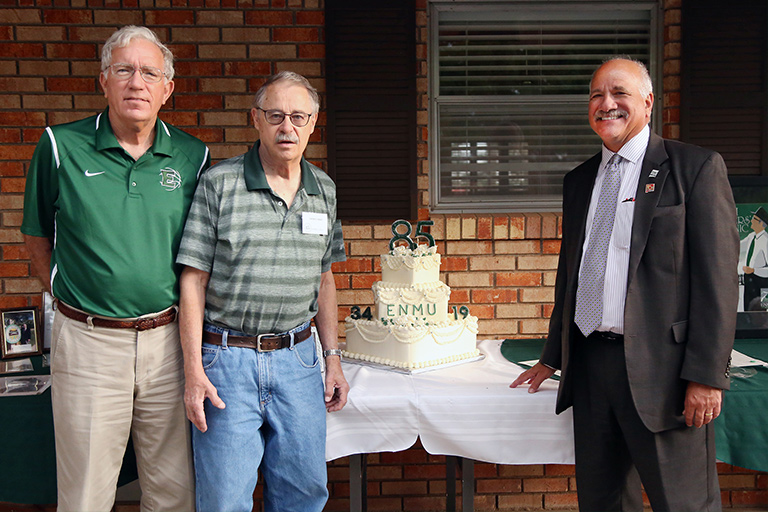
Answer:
[(298, 119), (125, 71)]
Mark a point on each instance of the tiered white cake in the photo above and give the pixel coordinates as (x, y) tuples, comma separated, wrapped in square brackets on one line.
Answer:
[(412, 327)]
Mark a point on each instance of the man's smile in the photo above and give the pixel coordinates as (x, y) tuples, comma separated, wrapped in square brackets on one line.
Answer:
[(611, 115)]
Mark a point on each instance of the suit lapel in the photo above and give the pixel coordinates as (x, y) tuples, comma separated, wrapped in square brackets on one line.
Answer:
[(652, 177)]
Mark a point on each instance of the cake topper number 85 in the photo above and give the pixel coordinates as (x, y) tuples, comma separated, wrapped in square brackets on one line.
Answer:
[(407, 235)]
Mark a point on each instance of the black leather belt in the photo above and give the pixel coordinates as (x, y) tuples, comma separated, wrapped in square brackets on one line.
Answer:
[(611, 337), (262, 342)]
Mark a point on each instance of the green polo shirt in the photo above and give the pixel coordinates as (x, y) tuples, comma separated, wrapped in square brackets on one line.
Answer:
[(264, 259), (115, 222)]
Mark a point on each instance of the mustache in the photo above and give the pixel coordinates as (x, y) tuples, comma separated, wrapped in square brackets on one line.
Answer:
[(616, 112), (286, 137)]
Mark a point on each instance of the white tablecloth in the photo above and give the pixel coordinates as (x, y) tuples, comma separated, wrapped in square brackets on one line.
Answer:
[(467, 410)]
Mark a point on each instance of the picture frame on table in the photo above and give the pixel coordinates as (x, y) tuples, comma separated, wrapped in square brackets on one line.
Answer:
[(750, 193), (20, 336)]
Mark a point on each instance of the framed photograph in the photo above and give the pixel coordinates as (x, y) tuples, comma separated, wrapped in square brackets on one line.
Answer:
[(750, 194), (16, 366), (22, 386), (20, 332)]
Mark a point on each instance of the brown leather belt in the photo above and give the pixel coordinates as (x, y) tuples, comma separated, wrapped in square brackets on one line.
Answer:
[(262, 342), (140, 324)]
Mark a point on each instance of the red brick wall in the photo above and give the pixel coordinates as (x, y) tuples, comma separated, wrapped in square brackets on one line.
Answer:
[(502, 266)]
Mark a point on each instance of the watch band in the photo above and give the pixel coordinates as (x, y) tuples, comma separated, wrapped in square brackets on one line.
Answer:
[(332, 352)]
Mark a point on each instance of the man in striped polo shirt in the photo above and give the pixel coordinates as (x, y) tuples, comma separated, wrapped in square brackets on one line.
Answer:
[(104, 209), (258, 245)]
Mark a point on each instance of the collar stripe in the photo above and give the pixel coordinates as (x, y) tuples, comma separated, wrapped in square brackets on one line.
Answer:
[(205, 159)]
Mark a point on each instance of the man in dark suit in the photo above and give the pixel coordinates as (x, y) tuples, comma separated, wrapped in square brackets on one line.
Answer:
[(645, 307)]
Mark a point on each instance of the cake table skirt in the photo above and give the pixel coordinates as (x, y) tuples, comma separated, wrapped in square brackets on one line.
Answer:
[(467, 410)]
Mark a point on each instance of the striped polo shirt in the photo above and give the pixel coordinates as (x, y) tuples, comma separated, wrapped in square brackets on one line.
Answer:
[(264, 259)]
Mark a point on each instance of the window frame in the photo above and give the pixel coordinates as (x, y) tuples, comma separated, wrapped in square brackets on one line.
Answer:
[(531, 203)]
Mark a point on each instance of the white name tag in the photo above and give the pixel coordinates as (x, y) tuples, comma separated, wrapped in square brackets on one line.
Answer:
[(314, 223)]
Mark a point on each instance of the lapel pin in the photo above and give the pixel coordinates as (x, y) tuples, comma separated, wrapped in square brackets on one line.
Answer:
[(650, 187), (654, 173)]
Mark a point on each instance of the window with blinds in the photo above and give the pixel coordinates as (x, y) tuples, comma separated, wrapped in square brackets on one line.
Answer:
[(509, 88), (725, 81), (371, 107)]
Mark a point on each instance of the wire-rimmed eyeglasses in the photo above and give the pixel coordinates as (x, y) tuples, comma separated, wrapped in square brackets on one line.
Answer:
[(298, 119), (148, 73)]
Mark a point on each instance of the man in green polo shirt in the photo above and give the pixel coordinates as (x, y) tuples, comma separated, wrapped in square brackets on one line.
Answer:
[(258, 245), (105, 204)]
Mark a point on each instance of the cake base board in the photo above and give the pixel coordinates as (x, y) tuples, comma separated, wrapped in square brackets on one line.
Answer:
[(411, 371)]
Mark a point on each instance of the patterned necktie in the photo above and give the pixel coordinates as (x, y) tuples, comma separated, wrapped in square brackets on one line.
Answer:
[(589, 293)]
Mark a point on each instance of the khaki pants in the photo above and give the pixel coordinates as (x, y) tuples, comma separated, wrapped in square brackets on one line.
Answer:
[(108, 384)]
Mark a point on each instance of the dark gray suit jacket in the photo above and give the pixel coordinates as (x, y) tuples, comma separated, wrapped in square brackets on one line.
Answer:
[(682, 291)]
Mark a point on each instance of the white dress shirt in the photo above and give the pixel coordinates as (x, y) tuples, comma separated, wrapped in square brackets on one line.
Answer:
[(759, 260), (617, 265)]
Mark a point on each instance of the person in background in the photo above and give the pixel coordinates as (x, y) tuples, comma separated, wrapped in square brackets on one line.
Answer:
[(755, 264)]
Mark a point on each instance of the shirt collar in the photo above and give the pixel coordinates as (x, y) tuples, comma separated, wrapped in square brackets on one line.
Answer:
[(105, 137), (633, 150), (255, 179)]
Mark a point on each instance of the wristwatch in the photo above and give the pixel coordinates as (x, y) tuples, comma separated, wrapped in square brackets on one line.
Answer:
[(332, 352)]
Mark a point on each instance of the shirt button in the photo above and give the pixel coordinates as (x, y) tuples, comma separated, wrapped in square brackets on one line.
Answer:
[(280, 203), (133, 184)]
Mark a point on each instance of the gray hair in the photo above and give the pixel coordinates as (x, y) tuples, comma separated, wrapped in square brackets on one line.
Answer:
[(123, 37), (645, 85), (296, 79)]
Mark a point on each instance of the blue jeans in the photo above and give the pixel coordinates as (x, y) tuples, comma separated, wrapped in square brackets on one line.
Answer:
[(274, 421)]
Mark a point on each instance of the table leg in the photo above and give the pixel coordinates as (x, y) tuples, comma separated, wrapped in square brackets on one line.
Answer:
[(467, 485), (467, 468), (358, 483), (450, 483)]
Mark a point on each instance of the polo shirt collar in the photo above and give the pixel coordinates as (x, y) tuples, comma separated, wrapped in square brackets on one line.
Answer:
[(105, 137), (255, 179)]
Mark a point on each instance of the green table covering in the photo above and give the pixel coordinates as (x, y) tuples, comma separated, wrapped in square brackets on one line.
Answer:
[(27, 454), (521, 350), (27, 451), (741, 435)]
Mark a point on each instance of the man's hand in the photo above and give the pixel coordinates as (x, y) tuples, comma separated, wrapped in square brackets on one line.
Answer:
[(748, 270), (533, 376), (336, 387), (702, 404), (40, 250), (196, 389)]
